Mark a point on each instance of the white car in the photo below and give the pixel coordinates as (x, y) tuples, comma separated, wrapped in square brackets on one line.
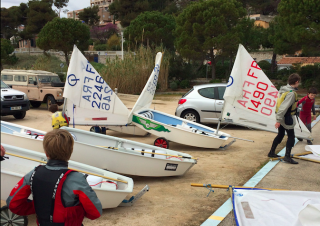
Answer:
[(203, 103), (13, 102)]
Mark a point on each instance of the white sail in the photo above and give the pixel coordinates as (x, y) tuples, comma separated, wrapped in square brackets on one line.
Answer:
[(145, 99), (250, 97), (88, 98), (285, 208)]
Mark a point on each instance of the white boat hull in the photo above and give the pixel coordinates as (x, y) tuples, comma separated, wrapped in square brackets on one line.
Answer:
[(14, 168), (132, 130), (123, 160), (178, 130)]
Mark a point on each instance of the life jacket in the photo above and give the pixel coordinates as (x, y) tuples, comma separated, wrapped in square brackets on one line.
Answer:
[(46, 187), (292, 110), (59, 119)]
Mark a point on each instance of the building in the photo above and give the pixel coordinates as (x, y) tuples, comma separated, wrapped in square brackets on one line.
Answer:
[(104, 13), (74, 14), (287, 62), (261, 20)]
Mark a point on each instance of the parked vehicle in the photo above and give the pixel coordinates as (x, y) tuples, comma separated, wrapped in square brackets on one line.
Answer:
[(203, 103), (40, 86), (13, 102)]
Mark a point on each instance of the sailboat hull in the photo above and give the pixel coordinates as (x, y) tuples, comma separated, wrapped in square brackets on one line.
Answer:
[(14, 168), (179, 130), (118, 158)]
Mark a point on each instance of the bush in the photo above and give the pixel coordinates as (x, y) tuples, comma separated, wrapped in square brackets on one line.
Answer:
[(310, 76), (100, 47), (215, 81), (173, 85), (11, 60), (264, 65), (184, 84), (62, 76)]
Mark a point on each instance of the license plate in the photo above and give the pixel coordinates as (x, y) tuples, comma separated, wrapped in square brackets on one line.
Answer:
[(16, 108)]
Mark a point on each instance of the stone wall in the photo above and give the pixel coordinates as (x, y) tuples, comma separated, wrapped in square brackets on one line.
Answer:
[(258, 56)]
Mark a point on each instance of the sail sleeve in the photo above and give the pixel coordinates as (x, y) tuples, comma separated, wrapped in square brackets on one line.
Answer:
[(89, 97), (250, 97)]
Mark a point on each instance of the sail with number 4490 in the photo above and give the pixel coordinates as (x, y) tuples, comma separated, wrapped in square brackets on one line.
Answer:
[(250, 97)]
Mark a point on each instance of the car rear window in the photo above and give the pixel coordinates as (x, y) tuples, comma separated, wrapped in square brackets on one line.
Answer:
[(207, 92), (221, 90), (188, 93)]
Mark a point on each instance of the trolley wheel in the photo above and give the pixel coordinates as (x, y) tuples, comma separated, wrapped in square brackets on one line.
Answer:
[(10, 219), (161, 142), (93, 129)]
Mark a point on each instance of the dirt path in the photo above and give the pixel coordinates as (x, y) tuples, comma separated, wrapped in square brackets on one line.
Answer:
[(172, 201)]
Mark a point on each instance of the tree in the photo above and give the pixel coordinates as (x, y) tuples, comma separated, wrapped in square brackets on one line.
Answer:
[(6, 50), (62, 34), (207, 25), (90, 15), (59, 4), (299, 25), (104, 32), (151, 27), (40, 12), (114, 42), (263, 7), (128, 10)]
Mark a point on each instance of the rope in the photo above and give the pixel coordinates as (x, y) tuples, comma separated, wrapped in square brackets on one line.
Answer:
[(209, 187)]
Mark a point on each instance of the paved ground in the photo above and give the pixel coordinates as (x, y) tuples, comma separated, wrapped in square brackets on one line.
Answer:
[(304, 176)]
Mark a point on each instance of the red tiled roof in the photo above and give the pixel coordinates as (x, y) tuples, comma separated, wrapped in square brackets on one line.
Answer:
[(299, 60)]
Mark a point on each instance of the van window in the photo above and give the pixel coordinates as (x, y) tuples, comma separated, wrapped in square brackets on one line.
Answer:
[(32, 79), (7, 77), (207, 92), (20, 78), (48, 79)]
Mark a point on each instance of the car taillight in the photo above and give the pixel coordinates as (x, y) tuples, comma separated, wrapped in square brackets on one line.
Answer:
[(182, 101)]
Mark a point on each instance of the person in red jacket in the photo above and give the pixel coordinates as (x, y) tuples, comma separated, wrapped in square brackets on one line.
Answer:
[(307, 103), (61, 197)]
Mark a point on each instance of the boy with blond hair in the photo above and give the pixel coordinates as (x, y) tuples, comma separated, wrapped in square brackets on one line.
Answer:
[(61, 197)]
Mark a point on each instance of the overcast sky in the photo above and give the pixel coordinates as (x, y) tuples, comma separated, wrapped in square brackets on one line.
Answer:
[(72, 5)]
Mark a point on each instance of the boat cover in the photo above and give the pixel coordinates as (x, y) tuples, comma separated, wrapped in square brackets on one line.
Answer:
[(254, 207)]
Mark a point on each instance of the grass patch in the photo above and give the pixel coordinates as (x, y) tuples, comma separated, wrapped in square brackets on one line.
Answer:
[(37, 62)]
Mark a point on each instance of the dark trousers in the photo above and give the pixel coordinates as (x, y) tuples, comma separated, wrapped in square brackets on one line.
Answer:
[(281, 132)]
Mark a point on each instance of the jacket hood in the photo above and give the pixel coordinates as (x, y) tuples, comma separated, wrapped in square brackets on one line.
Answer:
[(286, 88)]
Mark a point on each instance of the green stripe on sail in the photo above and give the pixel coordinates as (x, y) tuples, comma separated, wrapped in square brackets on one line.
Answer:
[(148, 125)]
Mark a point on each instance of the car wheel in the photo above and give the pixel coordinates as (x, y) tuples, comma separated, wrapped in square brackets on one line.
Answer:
[(9, 218), (35, 104), (50, 100), (161, 142), (191, 115), (20, 115)]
